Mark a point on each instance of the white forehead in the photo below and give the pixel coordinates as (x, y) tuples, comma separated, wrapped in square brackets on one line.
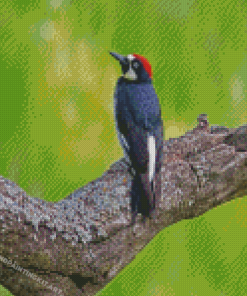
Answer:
[(130, 57)]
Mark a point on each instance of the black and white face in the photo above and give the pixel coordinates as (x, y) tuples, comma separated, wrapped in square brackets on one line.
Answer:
[(130, 71), (132, 67)]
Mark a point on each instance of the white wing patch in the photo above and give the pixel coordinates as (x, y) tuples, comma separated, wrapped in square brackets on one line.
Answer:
[(124, 142), (125, 146), (152, 156)]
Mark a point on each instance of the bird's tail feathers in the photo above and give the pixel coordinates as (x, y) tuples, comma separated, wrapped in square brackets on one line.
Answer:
[(142, 197)]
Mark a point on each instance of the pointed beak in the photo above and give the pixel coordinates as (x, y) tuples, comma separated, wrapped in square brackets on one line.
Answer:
[(119, 57)]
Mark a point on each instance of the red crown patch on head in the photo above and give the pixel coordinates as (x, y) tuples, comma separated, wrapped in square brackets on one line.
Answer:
[(145, 63)]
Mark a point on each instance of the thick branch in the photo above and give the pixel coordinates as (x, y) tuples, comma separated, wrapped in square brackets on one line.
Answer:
[(80, 243)]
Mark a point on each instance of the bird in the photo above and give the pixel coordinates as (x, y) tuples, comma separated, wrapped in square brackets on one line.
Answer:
[(139, 127)]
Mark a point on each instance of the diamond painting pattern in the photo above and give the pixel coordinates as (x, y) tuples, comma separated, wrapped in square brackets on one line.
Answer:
[(58, 135)]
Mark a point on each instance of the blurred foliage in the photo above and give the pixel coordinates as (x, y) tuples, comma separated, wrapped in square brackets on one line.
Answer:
[(58, 79)]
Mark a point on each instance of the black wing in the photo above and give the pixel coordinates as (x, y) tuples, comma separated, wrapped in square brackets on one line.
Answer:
[(137, 118)]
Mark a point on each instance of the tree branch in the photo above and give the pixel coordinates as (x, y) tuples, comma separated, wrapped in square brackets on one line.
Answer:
[(77, 245)]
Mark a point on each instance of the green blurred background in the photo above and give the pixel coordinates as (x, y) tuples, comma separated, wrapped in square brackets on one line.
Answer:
[(57, 82), (58, 79)]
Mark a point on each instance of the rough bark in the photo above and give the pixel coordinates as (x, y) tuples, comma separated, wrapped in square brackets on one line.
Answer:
[(201, 170)]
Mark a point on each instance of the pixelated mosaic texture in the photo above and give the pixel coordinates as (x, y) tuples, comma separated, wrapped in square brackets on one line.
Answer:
[(57, 79)]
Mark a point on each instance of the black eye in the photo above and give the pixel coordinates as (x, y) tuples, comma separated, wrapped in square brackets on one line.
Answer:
[(135, 65)]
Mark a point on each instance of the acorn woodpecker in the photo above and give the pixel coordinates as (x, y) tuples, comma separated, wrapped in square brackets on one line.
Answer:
[(140, 131)]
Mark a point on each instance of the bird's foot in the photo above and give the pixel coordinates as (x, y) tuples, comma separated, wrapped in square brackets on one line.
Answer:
[(144, 220), (154, 214), (133, 218), (138, 219)]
